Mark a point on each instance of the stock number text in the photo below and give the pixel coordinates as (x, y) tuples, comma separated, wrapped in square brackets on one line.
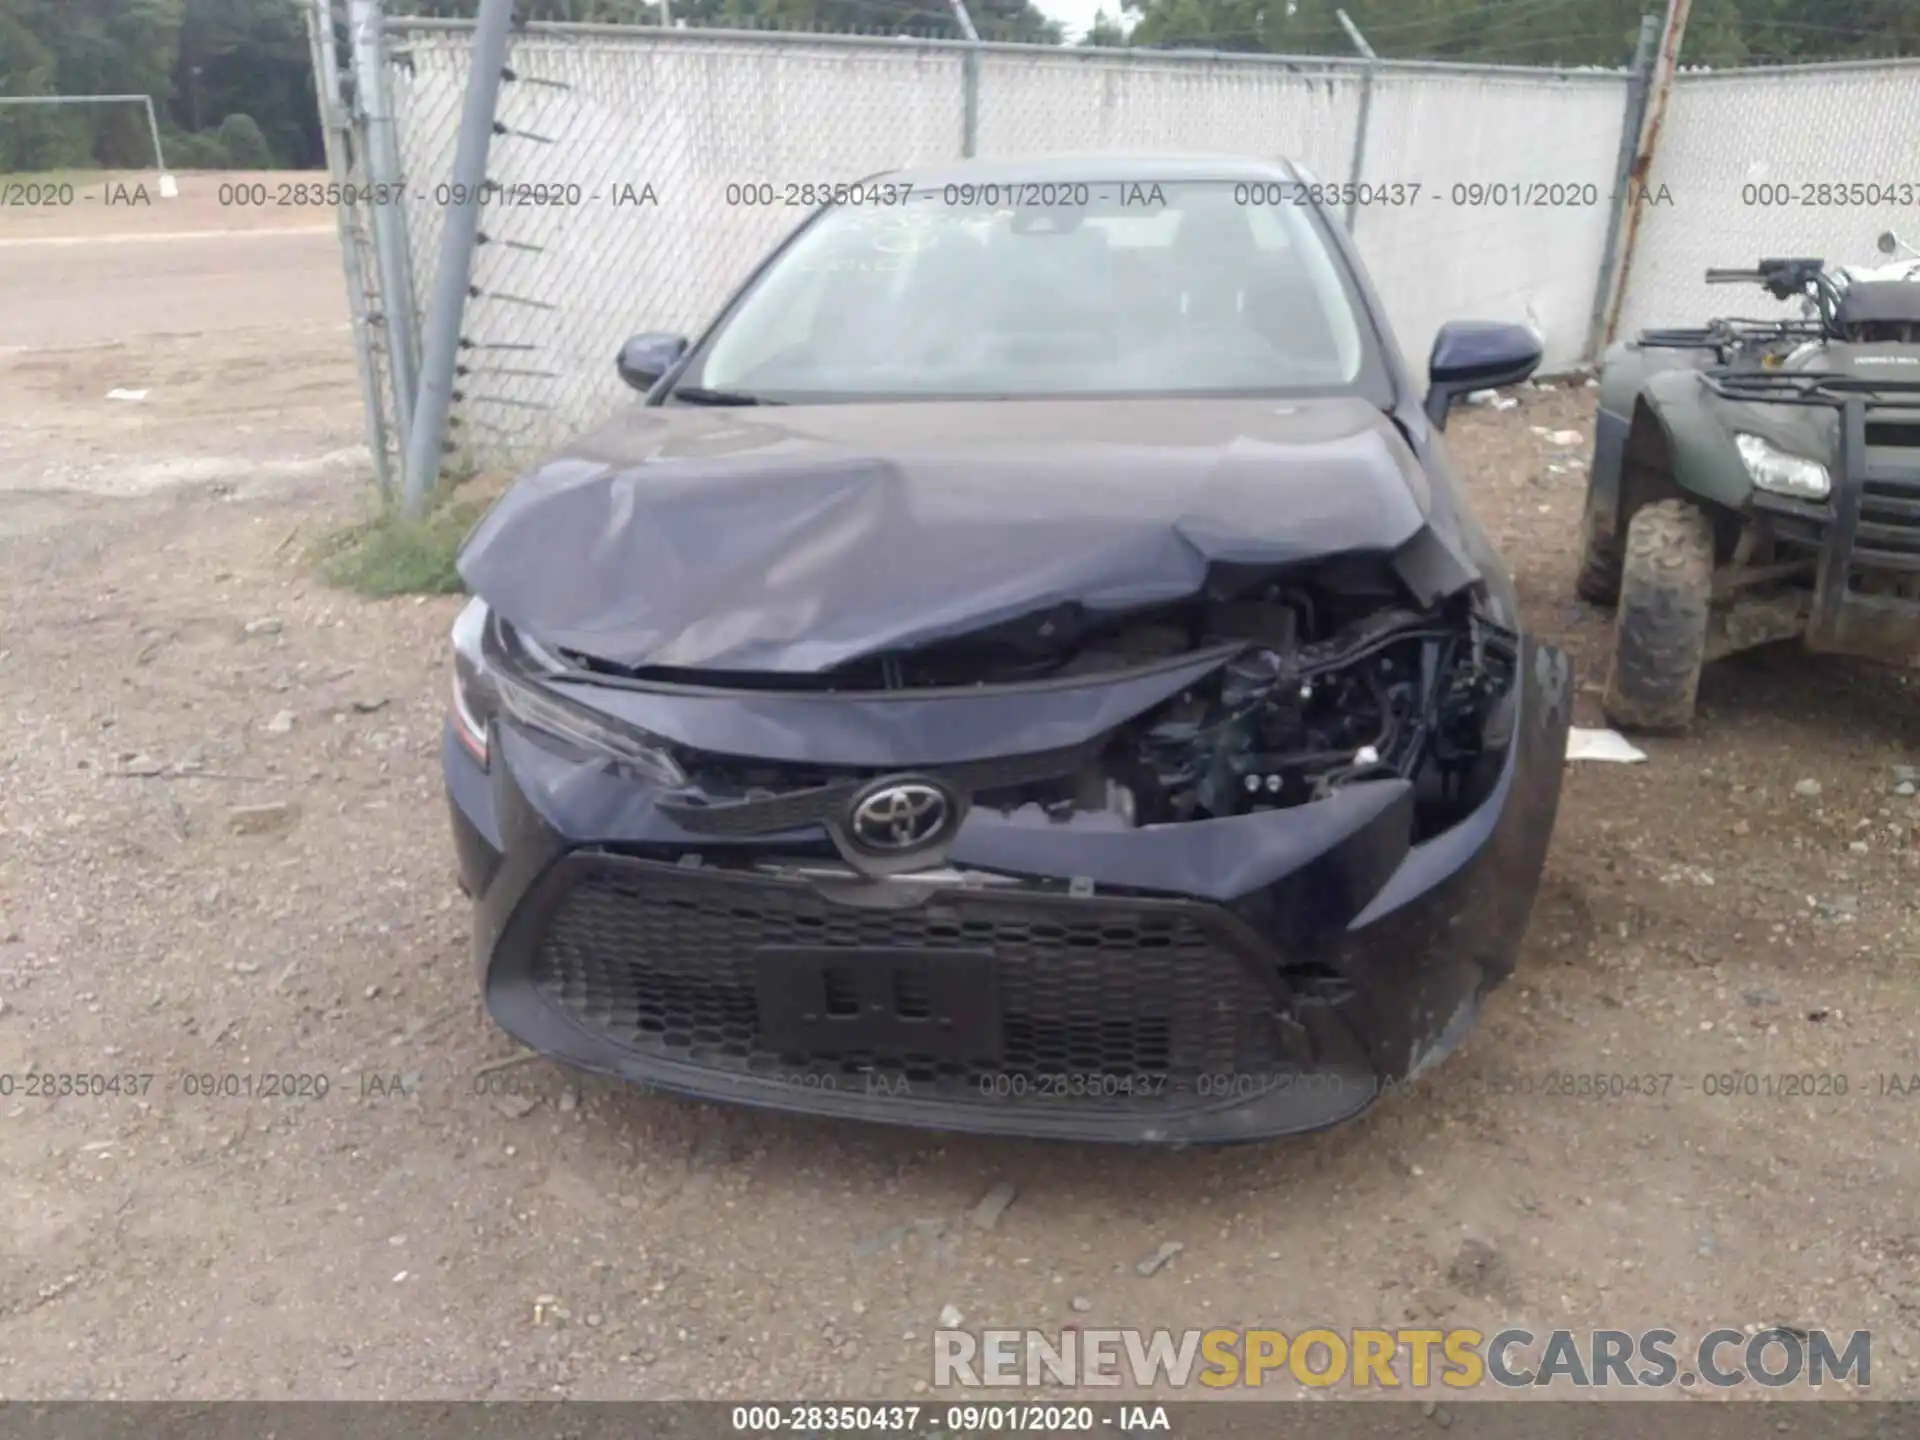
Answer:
[(1779, 192)]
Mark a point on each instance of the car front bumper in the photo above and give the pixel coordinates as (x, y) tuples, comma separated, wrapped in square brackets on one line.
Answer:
[(1215, 981)]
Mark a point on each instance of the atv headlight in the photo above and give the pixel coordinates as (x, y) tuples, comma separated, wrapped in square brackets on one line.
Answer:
[(484, 691), (1779, 473)]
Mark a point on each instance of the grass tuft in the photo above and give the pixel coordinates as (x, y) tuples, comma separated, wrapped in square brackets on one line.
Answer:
[(390, 554)]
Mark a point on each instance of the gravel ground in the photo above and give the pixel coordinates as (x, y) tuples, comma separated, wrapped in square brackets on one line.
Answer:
[(431, 1230)]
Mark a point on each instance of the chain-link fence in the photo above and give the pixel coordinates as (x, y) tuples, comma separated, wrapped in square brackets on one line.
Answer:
[(635, 166), (631, 175), (1812, 160), (643, 172)]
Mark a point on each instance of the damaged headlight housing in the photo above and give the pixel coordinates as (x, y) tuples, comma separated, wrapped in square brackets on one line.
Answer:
[(1421, 697), (1779, 473), (484, 690)]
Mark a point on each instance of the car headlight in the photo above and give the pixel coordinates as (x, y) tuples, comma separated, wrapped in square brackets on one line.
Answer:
[(1774, 470), (484, 692), (475, 700)]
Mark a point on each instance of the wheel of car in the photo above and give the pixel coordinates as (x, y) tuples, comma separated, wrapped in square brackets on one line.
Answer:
[(1660, 628), (1600, 558)]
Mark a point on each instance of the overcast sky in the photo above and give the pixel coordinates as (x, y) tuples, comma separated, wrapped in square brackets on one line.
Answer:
[(1075, 15)]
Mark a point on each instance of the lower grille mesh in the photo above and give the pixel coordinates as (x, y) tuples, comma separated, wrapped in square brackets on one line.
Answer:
[(1135, 999)]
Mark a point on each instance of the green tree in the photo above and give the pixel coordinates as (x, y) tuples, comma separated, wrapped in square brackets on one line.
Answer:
[(1535, 32), (245, 146), (1106, 30), (35, 137), (248, 57)]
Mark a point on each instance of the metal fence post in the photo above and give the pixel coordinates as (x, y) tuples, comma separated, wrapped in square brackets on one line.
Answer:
[(970, 102), (326, 84), (153, 129), (382, 153), (1366, 112), (459, 230), (969, 81), (1638, 86)]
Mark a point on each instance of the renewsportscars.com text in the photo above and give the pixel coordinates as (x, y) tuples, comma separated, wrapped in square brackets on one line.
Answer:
[(1365, 1359)]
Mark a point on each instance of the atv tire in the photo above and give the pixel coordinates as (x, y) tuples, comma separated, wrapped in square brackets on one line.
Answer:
[(1660, 629), (1600, 558)]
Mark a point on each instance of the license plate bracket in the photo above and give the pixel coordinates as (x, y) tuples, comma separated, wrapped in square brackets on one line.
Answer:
[(936, 1003)]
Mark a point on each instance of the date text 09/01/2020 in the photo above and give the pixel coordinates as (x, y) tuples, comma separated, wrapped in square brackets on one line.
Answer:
[(1034, 1419)]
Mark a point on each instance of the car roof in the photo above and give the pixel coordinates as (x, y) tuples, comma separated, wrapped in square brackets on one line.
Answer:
[(1107, 168)]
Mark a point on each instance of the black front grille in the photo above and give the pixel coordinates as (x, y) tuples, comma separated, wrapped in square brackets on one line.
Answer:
[(1882, 459), (772, 811), (1110, 1003), (1888, 534)]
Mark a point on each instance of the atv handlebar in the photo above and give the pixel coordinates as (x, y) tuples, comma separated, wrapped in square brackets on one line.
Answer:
[(1789, 279)]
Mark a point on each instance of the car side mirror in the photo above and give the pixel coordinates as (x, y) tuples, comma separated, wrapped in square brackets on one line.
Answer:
[(1473, 355), (646, 357)]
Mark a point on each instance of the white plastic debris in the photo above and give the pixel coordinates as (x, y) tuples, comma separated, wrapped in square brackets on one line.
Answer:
[(1584, 744), (1503, 402), (169, 188), (1563, 437), (1482, 397), (126, 394)]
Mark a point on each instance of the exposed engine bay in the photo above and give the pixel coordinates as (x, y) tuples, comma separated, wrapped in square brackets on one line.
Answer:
[(1335, 686), (1327, 678)]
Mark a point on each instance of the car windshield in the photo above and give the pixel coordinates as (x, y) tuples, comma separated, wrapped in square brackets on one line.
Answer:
[(1098, 289)]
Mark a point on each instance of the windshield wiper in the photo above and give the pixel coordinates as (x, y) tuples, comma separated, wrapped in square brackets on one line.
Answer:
[(699, 395)]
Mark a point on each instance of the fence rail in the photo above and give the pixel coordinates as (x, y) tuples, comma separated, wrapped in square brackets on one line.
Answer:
[(618, 145)]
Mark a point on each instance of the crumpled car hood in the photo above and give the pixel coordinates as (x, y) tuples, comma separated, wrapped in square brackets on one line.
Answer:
[(795, 539)]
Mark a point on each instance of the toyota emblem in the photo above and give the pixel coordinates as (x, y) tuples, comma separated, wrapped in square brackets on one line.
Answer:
[(901, 816)]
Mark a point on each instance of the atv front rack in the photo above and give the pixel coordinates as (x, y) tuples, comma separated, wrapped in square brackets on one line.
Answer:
[(1811, 387), (1731, 331), (1869, 526)]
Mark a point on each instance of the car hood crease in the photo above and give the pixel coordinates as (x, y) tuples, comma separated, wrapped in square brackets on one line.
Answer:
[(797, 541)]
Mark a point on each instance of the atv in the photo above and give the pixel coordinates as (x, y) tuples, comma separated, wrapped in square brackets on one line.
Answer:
[(1757, 481)]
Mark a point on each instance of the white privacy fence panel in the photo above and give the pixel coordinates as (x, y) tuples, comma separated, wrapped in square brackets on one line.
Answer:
[(621, 153), (1810, 161), (1037, 102), (1486, 197)]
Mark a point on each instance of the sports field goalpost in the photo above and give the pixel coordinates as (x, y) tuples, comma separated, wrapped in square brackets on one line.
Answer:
[(168, 189)]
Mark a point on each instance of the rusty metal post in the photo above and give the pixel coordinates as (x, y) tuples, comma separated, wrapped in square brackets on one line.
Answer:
[(1666, 64)]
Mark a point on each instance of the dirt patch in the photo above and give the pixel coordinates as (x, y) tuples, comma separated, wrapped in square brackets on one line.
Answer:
[(429, 1228)]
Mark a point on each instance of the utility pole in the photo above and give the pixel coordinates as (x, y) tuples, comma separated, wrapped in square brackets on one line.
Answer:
[(1666, 65), (1366, 112)]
